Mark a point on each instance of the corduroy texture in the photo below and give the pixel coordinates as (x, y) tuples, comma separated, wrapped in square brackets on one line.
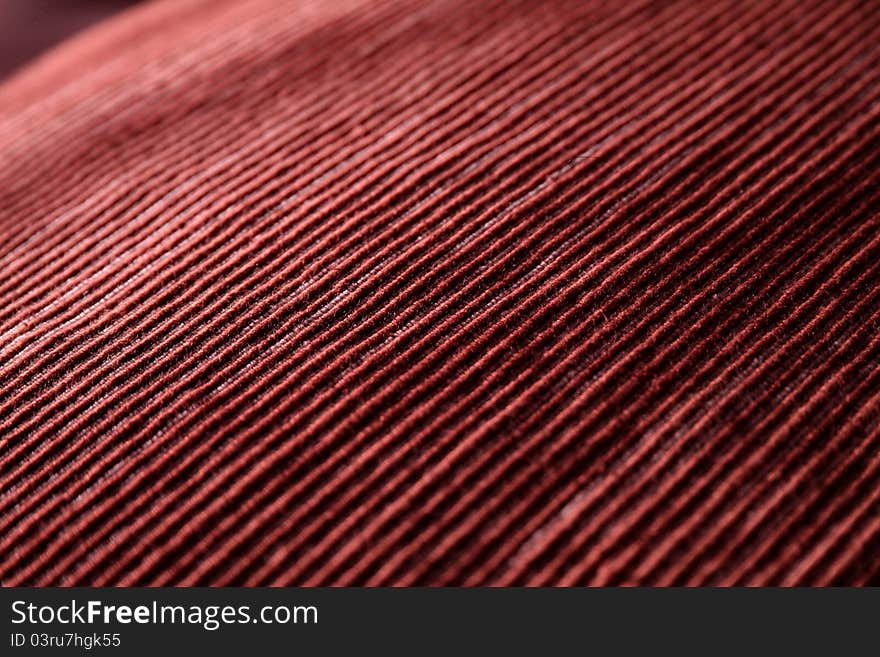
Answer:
[(445, 292)]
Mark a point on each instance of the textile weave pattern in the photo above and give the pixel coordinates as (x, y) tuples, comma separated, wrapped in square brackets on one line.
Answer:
[(444, 292)]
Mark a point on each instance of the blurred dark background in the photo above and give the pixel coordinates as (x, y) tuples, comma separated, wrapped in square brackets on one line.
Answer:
[(29, 27)]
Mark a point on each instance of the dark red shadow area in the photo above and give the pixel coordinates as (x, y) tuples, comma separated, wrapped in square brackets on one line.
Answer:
[(29, 27)]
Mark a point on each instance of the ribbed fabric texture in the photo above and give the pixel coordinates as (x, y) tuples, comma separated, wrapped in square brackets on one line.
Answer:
[(444, 292)]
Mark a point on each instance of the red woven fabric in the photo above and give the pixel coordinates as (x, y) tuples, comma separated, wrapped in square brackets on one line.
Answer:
[(445, 292)]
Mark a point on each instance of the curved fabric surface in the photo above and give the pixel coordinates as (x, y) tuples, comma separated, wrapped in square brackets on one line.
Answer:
[(445, 292)]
